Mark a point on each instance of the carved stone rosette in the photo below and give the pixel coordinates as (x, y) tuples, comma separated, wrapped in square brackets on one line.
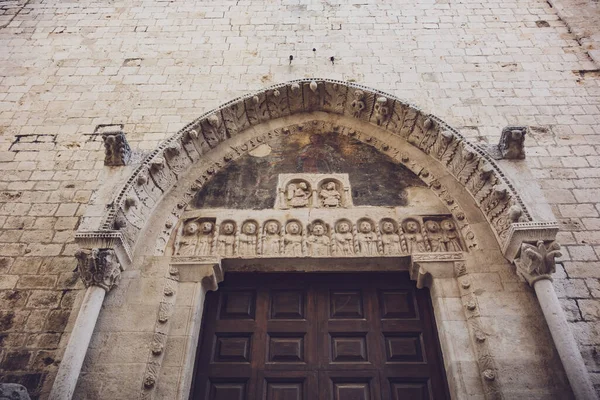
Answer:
[(98, 267)]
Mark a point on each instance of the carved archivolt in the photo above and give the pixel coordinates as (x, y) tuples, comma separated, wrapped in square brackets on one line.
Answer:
[(470, 165)]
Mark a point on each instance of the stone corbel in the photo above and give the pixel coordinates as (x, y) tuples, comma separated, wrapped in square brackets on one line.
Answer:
[(420, 275), (207, 270)]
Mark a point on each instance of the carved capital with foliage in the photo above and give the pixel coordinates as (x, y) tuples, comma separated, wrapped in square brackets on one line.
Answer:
[(537, 262), (98, 267)]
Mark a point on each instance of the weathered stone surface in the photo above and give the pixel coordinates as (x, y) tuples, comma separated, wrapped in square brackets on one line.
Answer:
[(13, 391)]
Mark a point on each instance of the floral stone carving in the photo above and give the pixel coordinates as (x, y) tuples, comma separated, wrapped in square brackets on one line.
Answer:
[(537, 262), (98, 267)]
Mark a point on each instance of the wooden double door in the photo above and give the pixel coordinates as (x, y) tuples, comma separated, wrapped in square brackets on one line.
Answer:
[(319, 337)]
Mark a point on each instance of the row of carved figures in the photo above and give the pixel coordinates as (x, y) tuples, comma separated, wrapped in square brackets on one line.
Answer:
[(202, 237)]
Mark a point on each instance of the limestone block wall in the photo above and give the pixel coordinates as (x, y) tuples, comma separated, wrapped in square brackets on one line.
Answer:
[(66, 67)]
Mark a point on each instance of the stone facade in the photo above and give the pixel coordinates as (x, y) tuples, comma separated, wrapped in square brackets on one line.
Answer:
[(67, 68)]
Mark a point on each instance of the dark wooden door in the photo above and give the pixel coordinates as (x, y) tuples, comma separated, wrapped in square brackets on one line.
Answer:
[(319, 336)]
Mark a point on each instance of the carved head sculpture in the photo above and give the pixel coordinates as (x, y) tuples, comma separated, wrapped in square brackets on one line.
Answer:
[(432, 226), (448, 225), (359, 94), (388, 227), (293, 228), (330, 186), (272, 228), (318, 229), (343, 227), (191, 228), (411, 226), (227, 228), (302, 186), (249, 228), (365, 226)]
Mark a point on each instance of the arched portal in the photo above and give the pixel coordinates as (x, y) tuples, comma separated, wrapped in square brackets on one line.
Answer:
[(444, 212)]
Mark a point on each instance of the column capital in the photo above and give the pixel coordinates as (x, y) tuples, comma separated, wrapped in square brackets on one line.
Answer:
[(537, 262), (98, 267)]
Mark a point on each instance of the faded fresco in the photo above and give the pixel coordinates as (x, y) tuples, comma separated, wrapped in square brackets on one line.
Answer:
[(251, 181)]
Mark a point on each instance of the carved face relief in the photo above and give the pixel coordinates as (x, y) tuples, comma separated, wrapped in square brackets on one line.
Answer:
[(432, 226), (387, 227), (191, 228), (365, 227), (343, 227), (448, 225), (207, 227), (227, 228), (249, 228), (272, 228), (293, 228), (411, 226), (318, 230)]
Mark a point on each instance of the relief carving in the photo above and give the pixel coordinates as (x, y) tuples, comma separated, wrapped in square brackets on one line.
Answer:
[(413, 236), (98, 267), (329, 195), (512, 143), (248, 239), (367, 240), (213, 129), (277, 103), (318, 242), (450, 237), (234, 118), (343, 239), (335, 97), (271, 243), (226, 239), (434, 234), (292, 240), (298, 194), (116, 149), (537, 262), (390, 239), (381, 110)]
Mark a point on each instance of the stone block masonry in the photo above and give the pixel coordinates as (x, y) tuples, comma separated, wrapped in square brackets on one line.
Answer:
[(155, 66)]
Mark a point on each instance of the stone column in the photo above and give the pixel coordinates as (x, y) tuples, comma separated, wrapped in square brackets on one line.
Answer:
[(536, 264), (100, 270)]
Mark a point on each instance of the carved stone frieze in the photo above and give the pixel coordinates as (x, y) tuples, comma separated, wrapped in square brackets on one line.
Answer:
[(293, 233), (98, 267)]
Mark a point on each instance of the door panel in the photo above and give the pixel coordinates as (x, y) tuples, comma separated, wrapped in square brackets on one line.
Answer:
[(319, 336)]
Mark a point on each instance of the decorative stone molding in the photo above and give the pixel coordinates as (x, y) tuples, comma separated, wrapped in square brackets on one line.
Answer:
[(209, 273), (537, 262), (98, 267), (116, 149), (487, 363)]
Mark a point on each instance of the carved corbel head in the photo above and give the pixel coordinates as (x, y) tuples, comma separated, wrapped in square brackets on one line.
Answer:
[(157, 163)]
